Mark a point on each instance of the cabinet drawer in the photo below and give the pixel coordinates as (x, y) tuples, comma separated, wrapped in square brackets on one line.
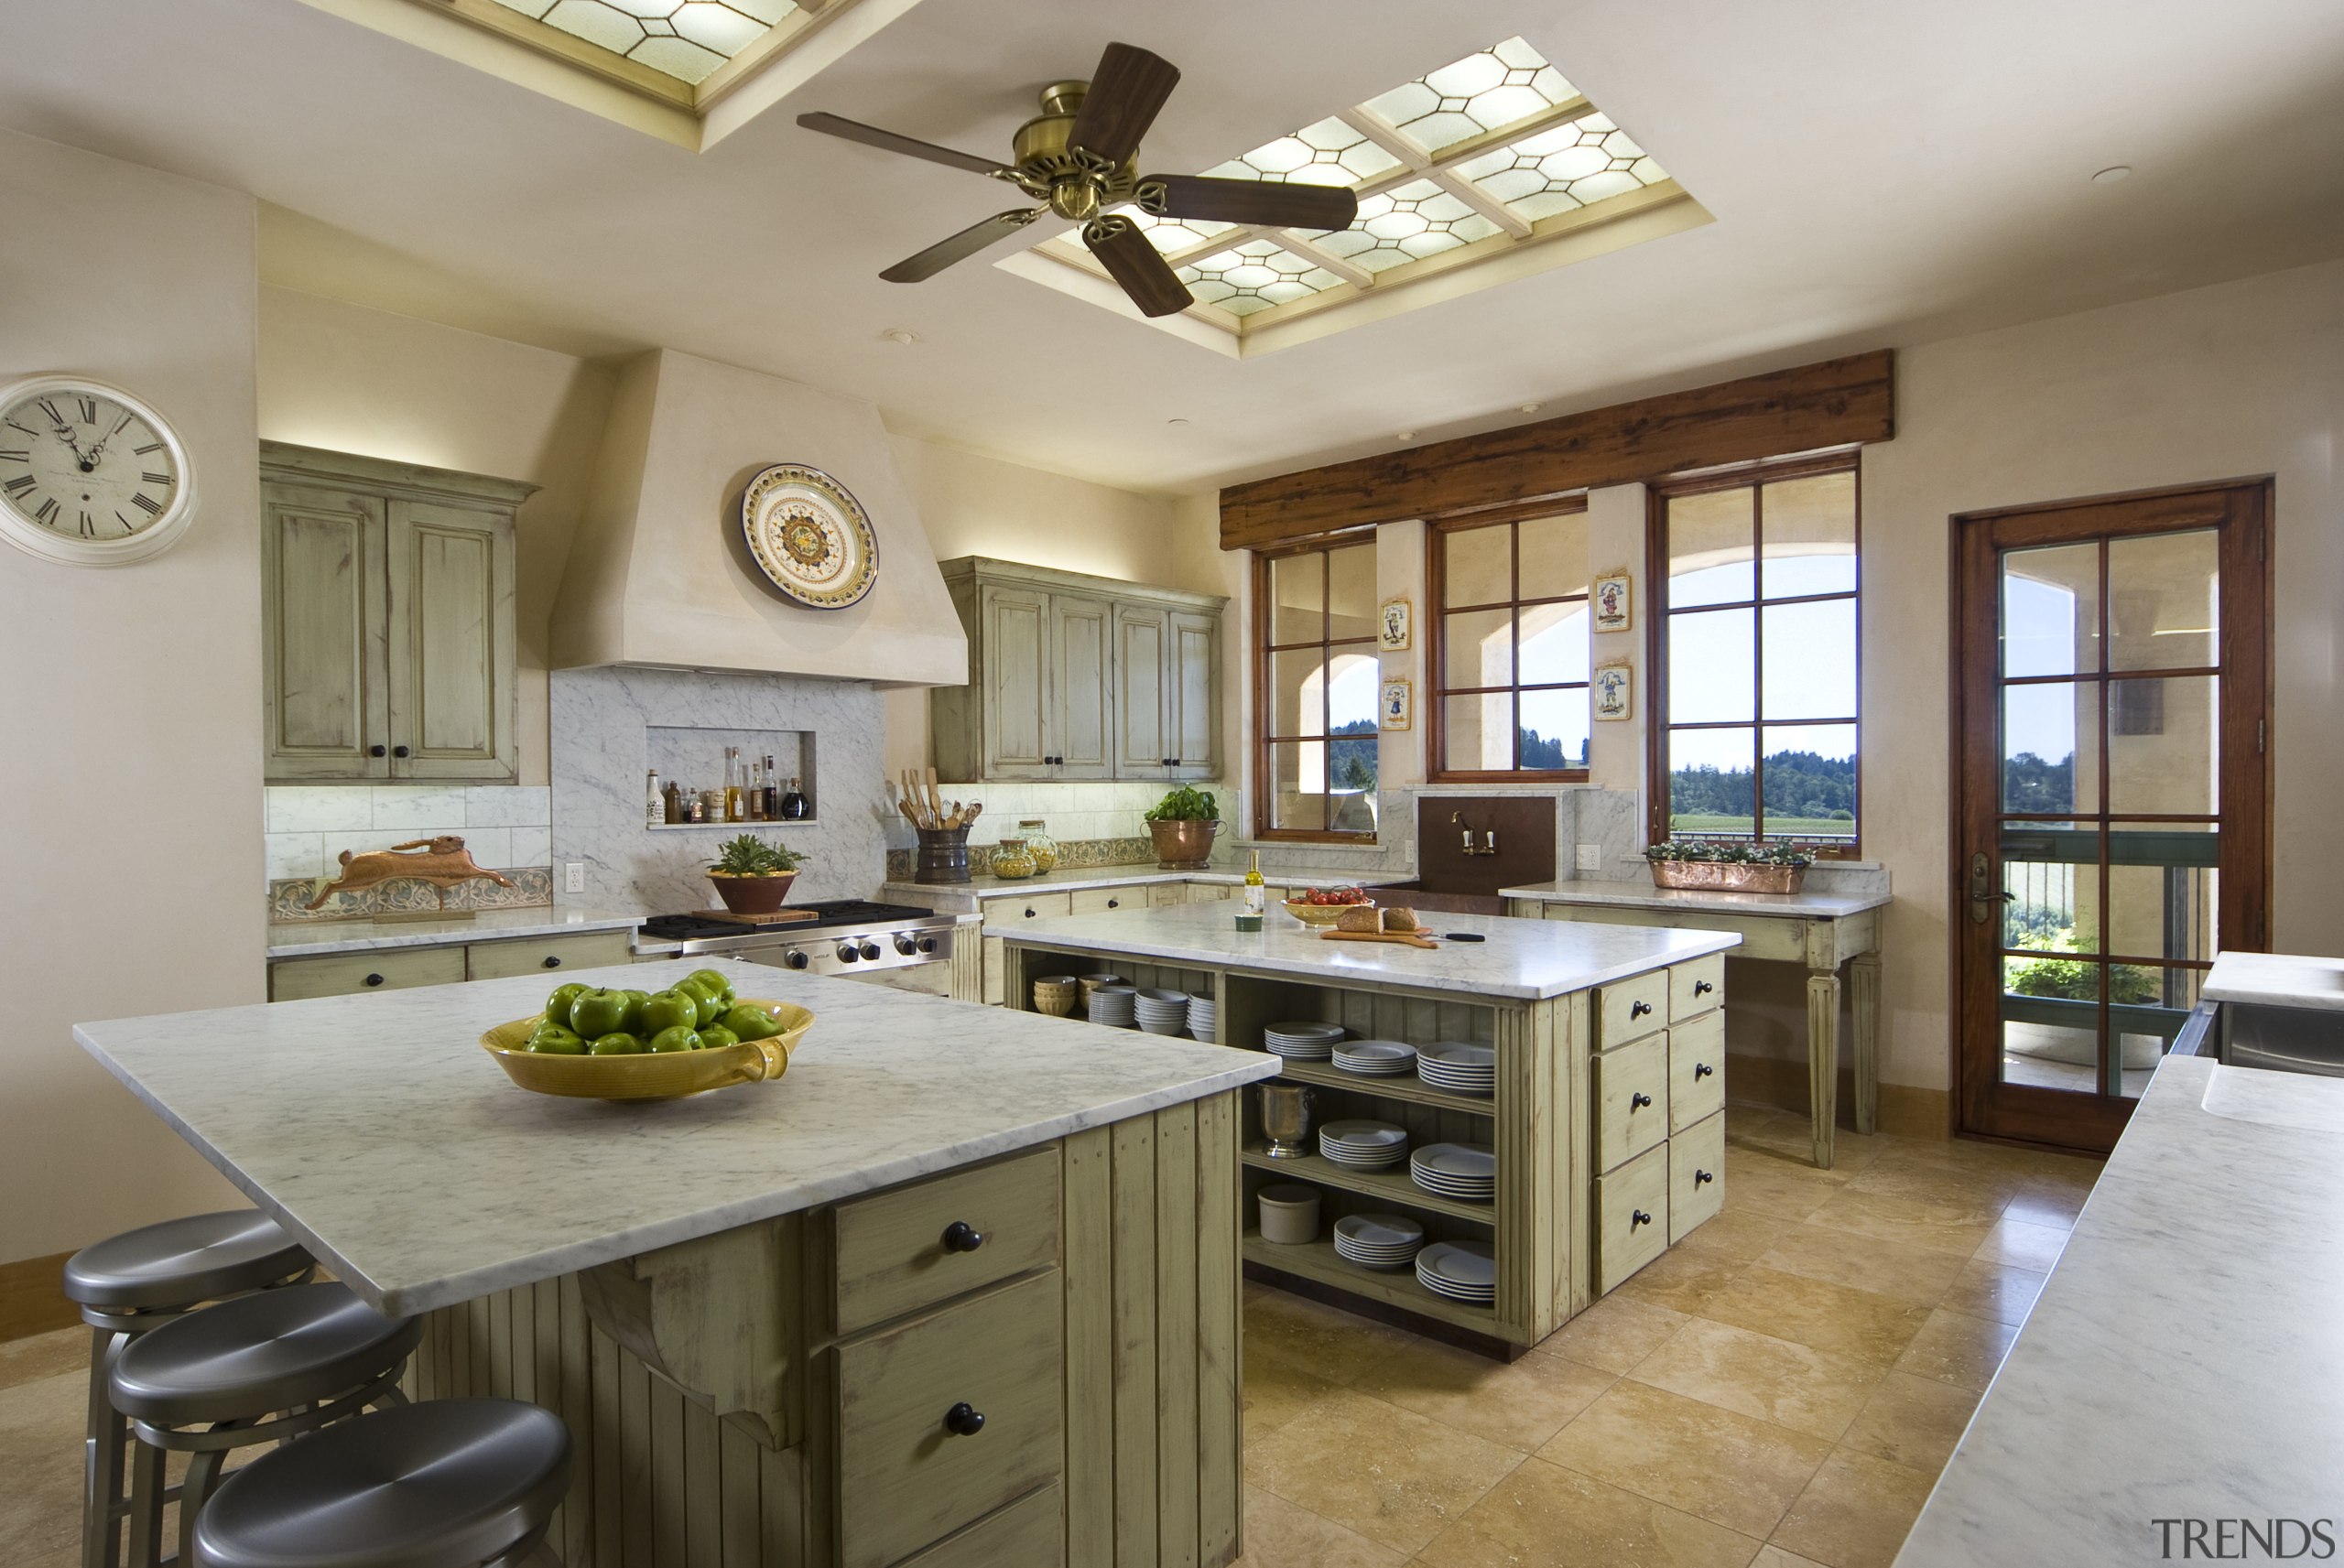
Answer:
[(1631, 1100), (1695, 1070), (1162, 893), (1099, 900), (354, 974), (892, 1258), (1029, 1532), (1217, 892), (1632, 1217), (1015, 910), (1696, 1175), (905, 1479), (1630, 1009), (542, 955), (1696, 987)]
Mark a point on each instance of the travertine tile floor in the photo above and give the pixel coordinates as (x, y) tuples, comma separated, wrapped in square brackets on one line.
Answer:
[(1778, 1390)]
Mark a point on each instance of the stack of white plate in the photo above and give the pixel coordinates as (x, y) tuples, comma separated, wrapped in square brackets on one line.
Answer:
[(1461, 1271), (1201, 1017), (1375, 1058), (1459, 1067), (1113, 1005), (1302, 1041), (1162, 1011), (1362, 1145), (1456, 1171), (1378, 1240)]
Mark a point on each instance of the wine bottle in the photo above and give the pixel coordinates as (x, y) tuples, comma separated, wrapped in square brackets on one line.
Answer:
[(1257, 892), (795, 807)]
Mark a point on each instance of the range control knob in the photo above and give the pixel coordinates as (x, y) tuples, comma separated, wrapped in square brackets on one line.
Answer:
[(871, 950), (927, 944), (795, 958), (847, 954), (905, 945)]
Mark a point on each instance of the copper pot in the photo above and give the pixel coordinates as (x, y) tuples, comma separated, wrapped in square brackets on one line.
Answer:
[(1183, 846), (754, 895)]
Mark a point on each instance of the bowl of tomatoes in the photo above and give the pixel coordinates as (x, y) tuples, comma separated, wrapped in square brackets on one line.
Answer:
[(1324, 906)]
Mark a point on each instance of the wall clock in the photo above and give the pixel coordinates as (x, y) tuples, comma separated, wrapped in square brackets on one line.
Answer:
[(810, 536), (90, 475)]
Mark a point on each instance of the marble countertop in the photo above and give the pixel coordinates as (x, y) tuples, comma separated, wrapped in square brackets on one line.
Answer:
[(379, 1132), (313, 938), (1529, 959), (1643, 895), (2181, 1361), (2276, 979), (976, 889)]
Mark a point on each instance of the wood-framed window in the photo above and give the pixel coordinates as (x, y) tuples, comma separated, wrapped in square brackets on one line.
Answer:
[(1754, 655), (1507, 645), (1316, 674)]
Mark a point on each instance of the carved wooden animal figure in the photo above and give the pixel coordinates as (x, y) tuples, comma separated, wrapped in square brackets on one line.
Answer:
[(442, 861)]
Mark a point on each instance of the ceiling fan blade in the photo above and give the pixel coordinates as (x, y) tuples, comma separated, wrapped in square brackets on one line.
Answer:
[(961, 246), (1126, 94), (1276, 206), (1132, 263), (890, 141)]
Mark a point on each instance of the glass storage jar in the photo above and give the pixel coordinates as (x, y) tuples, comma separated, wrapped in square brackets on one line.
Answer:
[(1039, 844), (1012, 860)]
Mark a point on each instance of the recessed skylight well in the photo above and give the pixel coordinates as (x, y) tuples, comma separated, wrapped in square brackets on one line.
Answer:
[(1473, 161), (687, 39)]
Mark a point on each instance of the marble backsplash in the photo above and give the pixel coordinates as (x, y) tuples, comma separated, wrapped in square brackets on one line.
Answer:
[(602, 721)]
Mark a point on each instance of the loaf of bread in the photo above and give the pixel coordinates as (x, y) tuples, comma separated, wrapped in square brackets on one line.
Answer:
[(1399, 920), (1360, 917)]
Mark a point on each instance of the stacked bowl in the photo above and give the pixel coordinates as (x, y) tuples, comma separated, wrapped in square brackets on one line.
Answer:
[(1162, 1011), (1092, 981), (1202, 1021), (1113, 1006), (1302, 1041), (1362, 1145), (1460, 1066), (1461, 1271), (1053, 994), (1376, 1058), (1378, 1240), (1458, 1170)]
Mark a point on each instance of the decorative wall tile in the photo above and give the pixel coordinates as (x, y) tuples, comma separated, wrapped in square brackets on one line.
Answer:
[(533, 886)]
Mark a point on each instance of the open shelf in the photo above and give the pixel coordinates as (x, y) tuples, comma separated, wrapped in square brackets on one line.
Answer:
[(728, 826), (1400, 1086), (1391, 1186), (1319, 1261)]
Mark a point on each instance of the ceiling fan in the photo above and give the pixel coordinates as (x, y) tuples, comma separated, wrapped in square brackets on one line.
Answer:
[(1077, 158)]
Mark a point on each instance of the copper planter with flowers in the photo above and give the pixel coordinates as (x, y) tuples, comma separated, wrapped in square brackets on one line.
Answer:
[(1727, 876)]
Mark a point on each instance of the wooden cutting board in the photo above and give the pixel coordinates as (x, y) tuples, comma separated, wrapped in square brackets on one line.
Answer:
[(1399, 938), (778, 917)]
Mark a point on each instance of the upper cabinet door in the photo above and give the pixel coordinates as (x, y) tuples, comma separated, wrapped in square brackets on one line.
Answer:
[(1192, 693), (1142, 747), (1082, 703), (1018, 721), (451, 643), (322, 607)]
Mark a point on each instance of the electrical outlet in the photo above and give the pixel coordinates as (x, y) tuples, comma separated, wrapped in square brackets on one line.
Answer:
[(1591, 857), (573, 876)]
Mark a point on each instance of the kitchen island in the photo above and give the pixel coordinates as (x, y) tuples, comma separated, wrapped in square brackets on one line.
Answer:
[(1607, 1122), (751, 1306)]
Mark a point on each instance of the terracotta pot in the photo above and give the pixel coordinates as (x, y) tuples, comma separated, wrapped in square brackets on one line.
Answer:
[(1182, 846), (1723, 876), (754, 895)]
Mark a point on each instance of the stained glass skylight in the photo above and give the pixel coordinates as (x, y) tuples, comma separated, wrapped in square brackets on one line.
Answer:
[(1486, 154), (687, 39)]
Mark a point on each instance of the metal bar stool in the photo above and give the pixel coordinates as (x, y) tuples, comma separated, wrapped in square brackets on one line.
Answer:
[(139, 1281), (445, 1483), (260, 1368)]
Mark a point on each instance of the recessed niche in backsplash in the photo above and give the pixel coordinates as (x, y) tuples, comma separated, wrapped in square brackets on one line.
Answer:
[(693, 756)]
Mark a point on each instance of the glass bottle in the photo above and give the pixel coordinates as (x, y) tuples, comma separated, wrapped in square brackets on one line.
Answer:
[(753, 793), (1257, 892), (1039, 844), (795, 807), (672, 803), (654, 803)]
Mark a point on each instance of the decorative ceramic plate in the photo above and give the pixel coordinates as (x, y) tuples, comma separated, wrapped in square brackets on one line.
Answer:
[(809, 536)]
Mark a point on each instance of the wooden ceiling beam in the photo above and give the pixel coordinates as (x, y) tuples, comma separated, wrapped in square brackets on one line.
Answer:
[(1836, 403)]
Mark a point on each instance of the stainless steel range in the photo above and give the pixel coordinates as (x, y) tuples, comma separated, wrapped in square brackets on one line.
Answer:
[(889, 944)]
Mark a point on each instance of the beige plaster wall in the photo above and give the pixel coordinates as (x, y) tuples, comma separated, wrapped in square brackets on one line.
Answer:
[(132, 695), (354, 379)]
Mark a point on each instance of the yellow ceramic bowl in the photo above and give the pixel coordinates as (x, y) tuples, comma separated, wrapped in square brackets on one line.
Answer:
[(668, 1075), (1319, 915)]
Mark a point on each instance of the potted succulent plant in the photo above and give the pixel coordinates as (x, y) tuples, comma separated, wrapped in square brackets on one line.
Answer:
[(1727, 867), (753, 877), (1183, 825)]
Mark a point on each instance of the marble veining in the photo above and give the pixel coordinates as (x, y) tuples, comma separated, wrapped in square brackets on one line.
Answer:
[(2181, 1362), (376, 1129), (1632, 895), (366, 935), (2276, 979), (971, 894), (1523, 959)]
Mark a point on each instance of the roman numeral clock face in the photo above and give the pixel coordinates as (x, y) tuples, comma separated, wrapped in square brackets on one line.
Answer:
[(88, 474)]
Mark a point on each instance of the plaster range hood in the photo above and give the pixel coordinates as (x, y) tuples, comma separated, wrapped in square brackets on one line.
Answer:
[(660, 578)]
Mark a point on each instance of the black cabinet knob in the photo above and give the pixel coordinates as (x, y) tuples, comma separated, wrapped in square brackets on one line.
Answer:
[(964, 1420), (398, 751), (1702, 1070), (378, 750), (1702, 988), (961, 1237), (1700, 1176), (1029, 912), (1114, 904), (1637, 1102), (1637, 1218), (1638, 1009), (553, 961), (373, 979)]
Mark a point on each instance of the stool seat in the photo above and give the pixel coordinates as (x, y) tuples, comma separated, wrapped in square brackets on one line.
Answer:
[(447, 1484), (182, 1261), (247, 1357)]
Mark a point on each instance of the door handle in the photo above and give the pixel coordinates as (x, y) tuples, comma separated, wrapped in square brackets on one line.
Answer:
[(1984, 897)]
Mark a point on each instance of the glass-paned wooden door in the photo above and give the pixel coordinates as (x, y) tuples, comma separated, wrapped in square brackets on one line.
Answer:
[(2112, 732)]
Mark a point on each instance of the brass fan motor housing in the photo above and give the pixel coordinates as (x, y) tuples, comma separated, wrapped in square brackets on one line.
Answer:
[(1074, 185)]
